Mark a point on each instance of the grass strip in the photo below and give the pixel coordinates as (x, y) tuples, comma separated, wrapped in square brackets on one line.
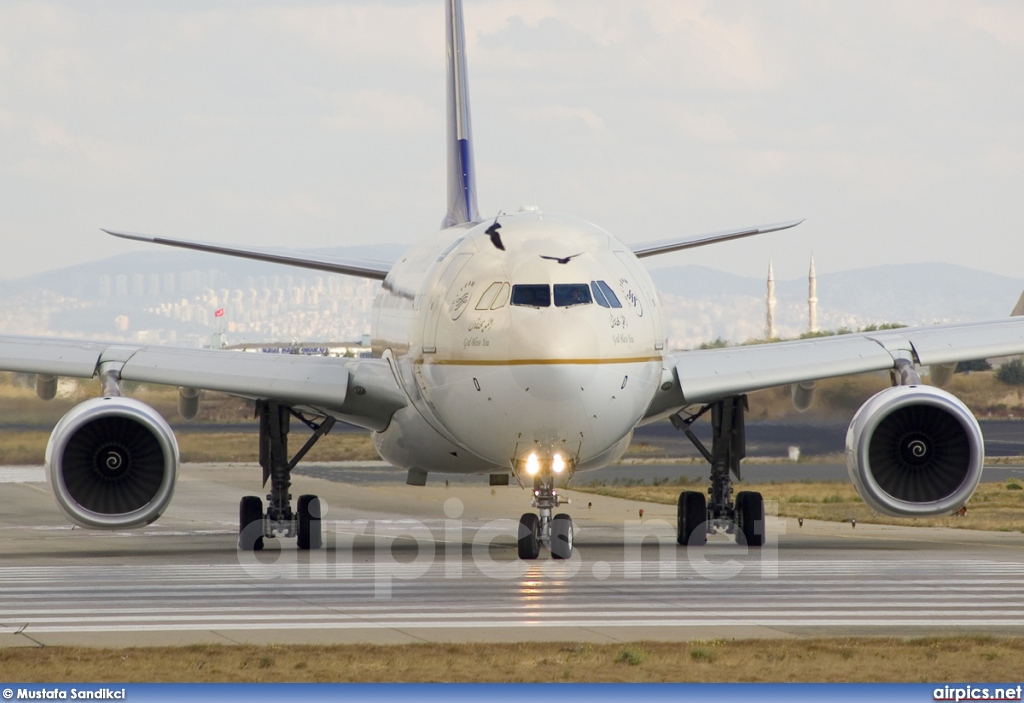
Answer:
[(918, 660), (994, 506)]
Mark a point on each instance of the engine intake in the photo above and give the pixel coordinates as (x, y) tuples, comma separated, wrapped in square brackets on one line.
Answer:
[(914, 451), (112, 463)]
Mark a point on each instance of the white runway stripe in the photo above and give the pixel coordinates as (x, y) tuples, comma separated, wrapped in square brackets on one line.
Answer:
[(863, 593), (700, 621)]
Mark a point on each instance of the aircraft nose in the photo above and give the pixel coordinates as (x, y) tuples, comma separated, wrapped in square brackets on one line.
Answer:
[(552, 357)]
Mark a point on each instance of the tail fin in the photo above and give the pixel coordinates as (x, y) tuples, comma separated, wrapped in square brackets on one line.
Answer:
[(1018, 309), (461, 172)]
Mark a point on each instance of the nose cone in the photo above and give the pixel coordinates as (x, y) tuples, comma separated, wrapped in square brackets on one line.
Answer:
[(553, 351)]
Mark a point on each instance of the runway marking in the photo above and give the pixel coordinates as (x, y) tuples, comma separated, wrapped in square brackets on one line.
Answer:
[(22, 474), (702, 622), (926, 594)]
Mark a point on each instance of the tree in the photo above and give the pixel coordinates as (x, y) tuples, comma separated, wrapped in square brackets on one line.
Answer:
[(1012, 372), (975, 365)]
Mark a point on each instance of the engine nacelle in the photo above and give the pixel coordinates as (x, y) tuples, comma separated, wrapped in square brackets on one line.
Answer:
[(803, 395), (914, 451), (112, 463)]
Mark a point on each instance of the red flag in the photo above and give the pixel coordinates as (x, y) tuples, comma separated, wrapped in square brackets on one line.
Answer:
[(219, 313)]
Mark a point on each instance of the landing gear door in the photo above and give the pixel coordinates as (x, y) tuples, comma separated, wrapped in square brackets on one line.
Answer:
[(439, 300)]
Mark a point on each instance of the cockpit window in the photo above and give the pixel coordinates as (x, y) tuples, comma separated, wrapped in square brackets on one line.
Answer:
[(501, 298), (488, 297), (611, 300), (496, 296), (534, 296), (568, 294)]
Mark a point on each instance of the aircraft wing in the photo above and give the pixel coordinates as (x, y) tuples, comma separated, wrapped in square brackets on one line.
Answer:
[(376, 270), (362, 392), (709, 374), (664, 246)]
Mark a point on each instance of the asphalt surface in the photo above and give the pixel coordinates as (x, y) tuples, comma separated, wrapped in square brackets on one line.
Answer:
[(438, 563)]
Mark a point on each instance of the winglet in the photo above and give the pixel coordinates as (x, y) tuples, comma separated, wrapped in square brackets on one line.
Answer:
[(1018, 309), (461, 171)]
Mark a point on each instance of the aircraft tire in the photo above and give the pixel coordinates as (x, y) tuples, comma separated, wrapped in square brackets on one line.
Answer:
[(561, 536), (691, 515), (529, 536), (750, 513), (310, 534), (250, 524)]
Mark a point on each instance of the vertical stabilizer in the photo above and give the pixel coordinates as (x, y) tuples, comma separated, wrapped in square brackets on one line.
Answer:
[(461, 172)]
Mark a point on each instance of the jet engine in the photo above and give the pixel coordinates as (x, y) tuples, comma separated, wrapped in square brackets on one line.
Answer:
[(914, 451), (112, 463)]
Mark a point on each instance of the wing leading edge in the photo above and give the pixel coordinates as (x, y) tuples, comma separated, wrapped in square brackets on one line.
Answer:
[(362, 392), (664, 246), (377, 270), (710, 374)]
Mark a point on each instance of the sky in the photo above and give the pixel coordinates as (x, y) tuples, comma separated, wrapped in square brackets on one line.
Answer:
[(895, 128)]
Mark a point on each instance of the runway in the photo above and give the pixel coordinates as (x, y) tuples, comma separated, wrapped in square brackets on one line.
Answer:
[(409, 564)]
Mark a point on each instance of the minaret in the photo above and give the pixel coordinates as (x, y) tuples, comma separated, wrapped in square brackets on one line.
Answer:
[(769, 322), (812, 299)]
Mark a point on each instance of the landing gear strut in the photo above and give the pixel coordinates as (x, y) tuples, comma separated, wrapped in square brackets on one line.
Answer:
[(698, 517), (304, 522), (537, 529)]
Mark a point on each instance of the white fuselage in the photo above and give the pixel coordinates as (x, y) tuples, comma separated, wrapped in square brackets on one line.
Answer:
[(504, 353)]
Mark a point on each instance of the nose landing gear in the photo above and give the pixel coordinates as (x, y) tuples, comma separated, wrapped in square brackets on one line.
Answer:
[(540, 528)]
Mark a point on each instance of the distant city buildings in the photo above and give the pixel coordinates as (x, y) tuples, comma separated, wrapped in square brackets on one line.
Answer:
[(181, 308), (158, 306)]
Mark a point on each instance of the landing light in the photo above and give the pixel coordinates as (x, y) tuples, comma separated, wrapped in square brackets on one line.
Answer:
[(532, 465), (558, 464)]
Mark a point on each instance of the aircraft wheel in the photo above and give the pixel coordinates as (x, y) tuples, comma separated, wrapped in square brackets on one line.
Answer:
[(250, 524), (561, 536), (691, 515), (310, 534), (529, 536), (750, 514)]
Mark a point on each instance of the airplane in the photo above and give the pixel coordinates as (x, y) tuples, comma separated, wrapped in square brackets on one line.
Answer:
[(527, 346)]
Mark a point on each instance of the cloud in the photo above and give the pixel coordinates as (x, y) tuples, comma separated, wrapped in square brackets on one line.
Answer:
[(569, 117), (381, 111)]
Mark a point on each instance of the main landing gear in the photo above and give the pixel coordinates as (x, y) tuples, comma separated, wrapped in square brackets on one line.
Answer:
[(697, 516), (540, 528), (304, 522)]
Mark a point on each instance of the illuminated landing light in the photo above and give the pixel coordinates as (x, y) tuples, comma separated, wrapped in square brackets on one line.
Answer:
[(532, 465), (558, 464)]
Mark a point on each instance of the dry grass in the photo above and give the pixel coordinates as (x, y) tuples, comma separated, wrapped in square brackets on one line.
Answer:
[(838, 398), (20, 407), (933, 659), (994, 506), (30, 447), (19, 404)]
